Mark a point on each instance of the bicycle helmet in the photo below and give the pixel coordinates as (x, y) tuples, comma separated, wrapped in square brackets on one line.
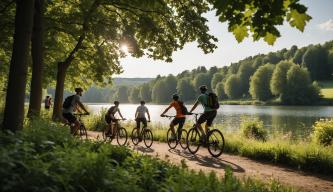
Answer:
[(175, 96), (203, 88), (78, 90)]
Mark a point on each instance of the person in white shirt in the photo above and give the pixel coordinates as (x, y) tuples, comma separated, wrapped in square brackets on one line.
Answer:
[(140, 115)]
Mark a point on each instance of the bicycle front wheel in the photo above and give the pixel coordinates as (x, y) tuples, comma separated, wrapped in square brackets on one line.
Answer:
[(148, 138), (135, 136), (215, 143), (171, 139), (193, 140), (183, 139), (121, 136)]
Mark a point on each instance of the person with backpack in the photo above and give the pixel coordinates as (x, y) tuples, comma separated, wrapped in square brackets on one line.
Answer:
[(70, 105), (110, 118), (180, 114), (210, 104)]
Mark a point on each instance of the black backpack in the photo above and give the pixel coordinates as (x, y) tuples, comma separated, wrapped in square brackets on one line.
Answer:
[(183, 108), (213, 101), (68, 102)]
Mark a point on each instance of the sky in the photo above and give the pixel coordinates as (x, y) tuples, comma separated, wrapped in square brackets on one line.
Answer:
[(318, 30)]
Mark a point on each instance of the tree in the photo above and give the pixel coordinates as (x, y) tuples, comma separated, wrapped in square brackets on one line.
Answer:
[(232, 87), (220, 91), (245, 72), (315, 60), (330, 62), (299, 88), (134, 95), (185, 89), (217, 77), (122, 94), (272, 58), (202, 79), (260, 83), (145, 92), (37, 53), (159, 93), (170, 84), (14, 108), (299, 56), (278, 82), (290, 53)]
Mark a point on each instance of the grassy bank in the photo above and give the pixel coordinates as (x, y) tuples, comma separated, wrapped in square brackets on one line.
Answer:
[(44, 157), (277, 149)]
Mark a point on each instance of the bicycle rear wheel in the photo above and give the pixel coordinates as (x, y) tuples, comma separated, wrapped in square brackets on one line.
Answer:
[(148, 138), (183, 139), (83, 132), (193, 140), (215, 143), (171, 139), (121, 136), (135, 136)]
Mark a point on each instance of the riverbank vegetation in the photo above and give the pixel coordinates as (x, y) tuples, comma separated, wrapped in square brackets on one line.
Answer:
[(253, 141), (45, 157)]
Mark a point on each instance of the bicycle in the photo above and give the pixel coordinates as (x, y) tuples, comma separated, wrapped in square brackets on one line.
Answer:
[(81, 131), (146, 134), (120, 133), (214, 139), (174, 139)]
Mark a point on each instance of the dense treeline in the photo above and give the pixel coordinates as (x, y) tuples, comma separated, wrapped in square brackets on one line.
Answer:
[(287, 75)]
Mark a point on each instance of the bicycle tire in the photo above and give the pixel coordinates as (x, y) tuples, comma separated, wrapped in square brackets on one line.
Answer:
[(171, 142), (183, 139), (83, 132), (148, 138), (135, 136), (215, 143), (193, 143), (103, 133), (122, 136)]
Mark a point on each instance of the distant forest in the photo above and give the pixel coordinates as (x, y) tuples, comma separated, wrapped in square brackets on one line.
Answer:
[(288, 76)]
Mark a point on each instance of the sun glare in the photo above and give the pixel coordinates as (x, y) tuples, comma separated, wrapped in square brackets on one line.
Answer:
[(124, 48)]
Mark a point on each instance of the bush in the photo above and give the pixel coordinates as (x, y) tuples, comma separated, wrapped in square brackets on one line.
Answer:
[(254, 129), (96, 122), (44, 157), (323, 132)]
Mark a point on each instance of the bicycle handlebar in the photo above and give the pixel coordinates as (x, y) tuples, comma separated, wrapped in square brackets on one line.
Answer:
[(80, 114), (168, 116)]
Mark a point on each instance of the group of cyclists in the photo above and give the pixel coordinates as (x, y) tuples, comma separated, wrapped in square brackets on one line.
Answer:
[(73, 103)]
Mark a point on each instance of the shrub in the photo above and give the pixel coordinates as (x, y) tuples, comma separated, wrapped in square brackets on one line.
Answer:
[(96, 122), (323, 132), (254, 129)]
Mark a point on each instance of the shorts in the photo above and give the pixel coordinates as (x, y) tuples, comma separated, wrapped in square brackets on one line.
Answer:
[(69, 117), (139, 120), (207, 117), (108, 119), (178, 120)]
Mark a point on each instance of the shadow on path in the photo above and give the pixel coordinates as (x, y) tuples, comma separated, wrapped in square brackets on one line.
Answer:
[(208, 161), (143, 149)]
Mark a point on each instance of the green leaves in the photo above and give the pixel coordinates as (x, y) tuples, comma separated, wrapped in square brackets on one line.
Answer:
[(240, 32), (270, 38), (297, 19)]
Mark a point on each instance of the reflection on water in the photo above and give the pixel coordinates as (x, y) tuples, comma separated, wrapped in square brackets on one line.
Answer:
[(282, 119)]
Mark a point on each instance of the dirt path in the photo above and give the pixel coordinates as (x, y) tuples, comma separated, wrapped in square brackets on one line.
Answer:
[(242, 167)]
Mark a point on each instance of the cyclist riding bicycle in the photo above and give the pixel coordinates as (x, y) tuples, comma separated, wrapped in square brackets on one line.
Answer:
[(70, 105), (209, 113), (110, 118), (140, 116), (180, 117)]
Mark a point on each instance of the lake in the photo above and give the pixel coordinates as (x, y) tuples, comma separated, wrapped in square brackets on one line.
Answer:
[(281, 119)]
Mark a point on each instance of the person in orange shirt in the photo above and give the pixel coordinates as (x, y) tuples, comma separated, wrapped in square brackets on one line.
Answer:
[(180, 117)]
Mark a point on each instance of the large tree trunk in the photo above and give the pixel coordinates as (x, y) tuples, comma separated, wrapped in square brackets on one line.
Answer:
[(59, 92), (37, 53), (14, 108)]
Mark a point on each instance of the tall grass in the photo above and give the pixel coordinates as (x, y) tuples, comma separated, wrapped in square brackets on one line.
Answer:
[(44, 157)]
